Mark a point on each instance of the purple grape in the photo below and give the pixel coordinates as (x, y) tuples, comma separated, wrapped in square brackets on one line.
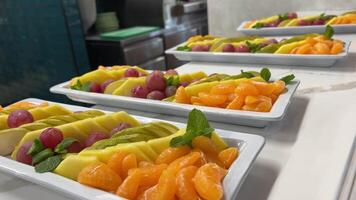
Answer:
[(228, 48), (94, 137), (130, 72), (156, 95), (139, 92), (140, 74), (273, 24), (304, 23), (120, 127), (22, 156), (105, 84), (292, 15), (75, 147), (171, 72), (156, 81), (318, 22), (198, 48), (242, 49), (170, 90), (206, 47), (184, 84), (51, 137), (18, 118), (95, 87)]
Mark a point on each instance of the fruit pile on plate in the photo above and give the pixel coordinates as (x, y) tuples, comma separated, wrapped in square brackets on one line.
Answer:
[(116, 153), (320, 44), (291, 19)]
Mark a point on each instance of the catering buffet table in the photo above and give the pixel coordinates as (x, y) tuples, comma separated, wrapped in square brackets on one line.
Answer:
[(310, 154)]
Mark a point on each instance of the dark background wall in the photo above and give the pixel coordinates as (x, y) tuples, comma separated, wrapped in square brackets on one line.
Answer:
[(41, 44)]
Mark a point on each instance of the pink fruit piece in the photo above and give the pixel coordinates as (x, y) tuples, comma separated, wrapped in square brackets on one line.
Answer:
[(130, 72), (242, 49), (184, 84), (156, 95), (156, 81), (75, 147), (304, 23), (94, 137), (228, 48), (171, 72), (120, 127), (318, 22), (95, 87), (105, 84), (141, 74), (50, 137), (18, 118), (198, 48), (292, 15), (22, 153), (170, 90), (206, 47), (139, 92)]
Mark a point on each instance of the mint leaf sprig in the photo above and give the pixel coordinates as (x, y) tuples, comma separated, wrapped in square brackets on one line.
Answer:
[(198, 125), (329, 32), (287, 79), (80, 86)]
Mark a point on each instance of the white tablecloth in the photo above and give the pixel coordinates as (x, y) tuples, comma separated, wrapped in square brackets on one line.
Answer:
[(307, 154)]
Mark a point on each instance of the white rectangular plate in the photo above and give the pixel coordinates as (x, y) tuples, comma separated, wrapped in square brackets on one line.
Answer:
[(249, 146), (260, 58), (295, 30), (257, 119)]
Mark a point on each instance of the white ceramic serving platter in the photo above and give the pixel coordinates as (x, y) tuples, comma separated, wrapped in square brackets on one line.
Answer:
[(260, 58), (249, 118), (249, 146), (295, 30)]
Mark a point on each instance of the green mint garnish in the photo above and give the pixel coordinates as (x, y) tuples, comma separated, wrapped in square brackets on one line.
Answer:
[(265, 74), (329, 32), (184, 48), (36, 147), (49, 164), (198, 125), (82, 87), (173, 80), (247, 74), (62, 147), (258, 25), (253, 47), (288, 79), (43, 155)]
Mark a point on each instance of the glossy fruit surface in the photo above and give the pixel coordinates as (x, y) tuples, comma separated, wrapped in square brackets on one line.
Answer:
[(155, 81), (105, 84), (140, 92), (76, 147), (22, 153), (156, 95), (170, 90), (171, 72), (51, 137), (228, 48), (130, 72), (228, 156), (19, 117), (94, 137), (242, 49), (171, 154), (120, 127), (185, 184), (95, 87)]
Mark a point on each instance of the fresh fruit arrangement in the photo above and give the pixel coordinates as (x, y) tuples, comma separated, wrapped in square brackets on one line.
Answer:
[(320, 44), (116, 153), (134, 82), (249, 91), (292, 19)]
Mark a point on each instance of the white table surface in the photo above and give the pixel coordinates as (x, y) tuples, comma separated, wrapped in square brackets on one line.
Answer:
[(307, 155)]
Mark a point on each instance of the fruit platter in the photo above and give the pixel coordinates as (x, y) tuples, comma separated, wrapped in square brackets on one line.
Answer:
[(292, 23), (249, 98), (93, 154), (312, 49)]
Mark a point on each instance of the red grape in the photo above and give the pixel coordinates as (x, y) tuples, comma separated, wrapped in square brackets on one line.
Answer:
[(130, 72), (242, 49), (95, 87), (304, 23), (205, 47), (105, 84), (268, 42), (318, 22), (156, 95), (273, 24), (171, 72), (184, 84), (94, 137), (75, 147), (198, 48), (156, 81), (50, 137), (292, 15), (170, 90), (18, 118), (140, 74), (139, 92), (228, 48), (120, 127), (22, 153)]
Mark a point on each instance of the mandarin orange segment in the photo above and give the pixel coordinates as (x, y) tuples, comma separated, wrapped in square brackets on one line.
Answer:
[(208, 147), (263, 87), (145, 164), (228, 156), (223, 89), (279, 87), (322, 48), (184, 161), (251, 107), (128, 189), (185, 185), (195, 100), (150, 175), (100, 176), (115, 161), (337, 48), (181, 96), (149, 194), (207, 181), (231, 97), (264, 106), (304, 49), (166, 187), (246, 88), (249, 100), (129, 162), (237, 103), (212, 99), (202, 160), (171, 154), (294, 50), (273, 97)]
